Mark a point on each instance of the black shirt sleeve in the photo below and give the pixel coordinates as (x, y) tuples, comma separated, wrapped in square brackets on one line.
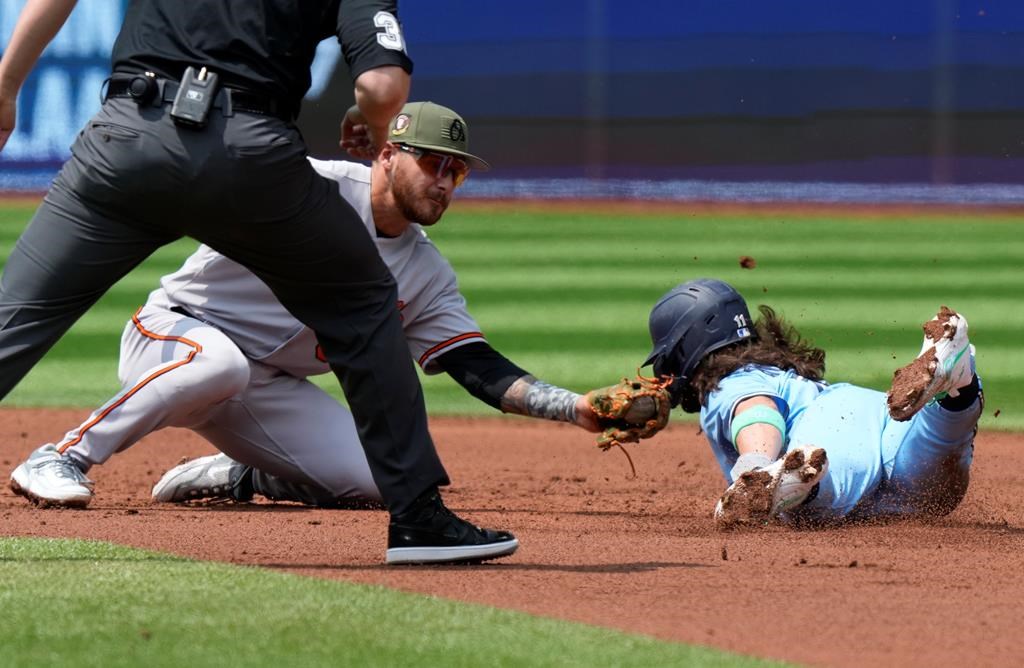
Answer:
[(482, 370), (371, 35)]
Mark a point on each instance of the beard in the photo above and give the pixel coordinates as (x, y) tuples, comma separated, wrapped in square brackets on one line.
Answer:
[(424, 208)]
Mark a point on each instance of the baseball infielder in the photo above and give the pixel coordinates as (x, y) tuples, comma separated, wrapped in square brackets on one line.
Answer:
[(795, 447), (212, 350)]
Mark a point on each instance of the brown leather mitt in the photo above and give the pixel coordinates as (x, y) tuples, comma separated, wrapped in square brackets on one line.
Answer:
[(630, 410)]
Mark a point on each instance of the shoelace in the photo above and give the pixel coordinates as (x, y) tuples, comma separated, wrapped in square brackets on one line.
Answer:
[(63, 467), (442, 509)]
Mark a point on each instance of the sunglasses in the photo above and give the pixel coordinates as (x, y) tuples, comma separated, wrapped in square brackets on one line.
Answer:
[(438, 164)]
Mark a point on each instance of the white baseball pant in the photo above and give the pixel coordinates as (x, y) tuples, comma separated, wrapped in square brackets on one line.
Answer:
[(177, 371)]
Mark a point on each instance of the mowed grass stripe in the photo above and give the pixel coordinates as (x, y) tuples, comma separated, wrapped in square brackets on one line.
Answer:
[(505, 224), (566, 295), (514, 295), (859, 288), (850, 315), (857, 238), (84, 604), (565, 279), (596, 255)]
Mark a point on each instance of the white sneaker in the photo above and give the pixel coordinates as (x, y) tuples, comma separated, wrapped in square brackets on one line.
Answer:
[(49, 478), (944, 365), (207, 477), (760, 495)]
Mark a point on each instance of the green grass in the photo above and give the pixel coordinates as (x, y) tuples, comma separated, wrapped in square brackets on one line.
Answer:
[(82, 604), (566, 295)]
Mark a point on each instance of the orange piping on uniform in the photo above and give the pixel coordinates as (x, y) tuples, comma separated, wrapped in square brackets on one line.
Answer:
[(196, 348), (445, 344)]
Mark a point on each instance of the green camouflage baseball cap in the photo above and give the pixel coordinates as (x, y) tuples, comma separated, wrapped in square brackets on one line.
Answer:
[(435, 128)]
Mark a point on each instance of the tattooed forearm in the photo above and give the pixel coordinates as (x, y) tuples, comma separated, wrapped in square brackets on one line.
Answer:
[(529, 396)]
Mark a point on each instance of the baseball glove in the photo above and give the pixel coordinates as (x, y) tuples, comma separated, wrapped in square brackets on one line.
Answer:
[(630, 410)]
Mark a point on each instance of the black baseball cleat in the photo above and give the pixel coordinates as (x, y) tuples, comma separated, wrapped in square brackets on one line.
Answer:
[(429, 533)]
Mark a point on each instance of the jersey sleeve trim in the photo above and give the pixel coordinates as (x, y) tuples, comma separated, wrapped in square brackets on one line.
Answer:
[(780, 406), (450, 343)]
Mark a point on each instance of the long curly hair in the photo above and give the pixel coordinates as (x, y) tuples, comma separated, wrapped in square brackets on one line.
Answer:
[(777, 344)]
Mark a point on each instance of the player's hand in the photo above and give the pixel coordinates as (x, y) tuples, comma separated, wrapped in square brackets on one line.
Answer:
[(585, 415), (355, 135), (8, 116)]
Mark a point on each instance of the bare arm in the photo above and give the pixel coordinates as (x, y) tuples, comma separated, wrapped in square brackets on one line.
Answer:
[(380, 95), (38, 23), (759, 443), (759, 437)]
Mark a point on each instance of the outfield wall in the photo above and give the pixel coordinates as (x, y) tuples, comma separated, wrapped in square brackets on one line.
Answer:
[(926, 91)]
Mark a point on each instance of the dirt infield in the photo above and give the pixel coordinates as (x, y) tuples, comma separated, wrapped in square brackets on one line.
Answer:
[(639, 555)]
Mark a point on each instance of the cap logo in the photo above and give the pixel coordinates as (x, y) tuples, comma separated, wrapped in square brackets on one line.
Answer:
[(401, 124), (456, 131)]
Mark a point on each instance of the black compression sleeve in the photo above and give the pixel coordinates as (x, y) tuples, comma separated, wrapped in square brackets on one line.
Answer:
[(482, 370)]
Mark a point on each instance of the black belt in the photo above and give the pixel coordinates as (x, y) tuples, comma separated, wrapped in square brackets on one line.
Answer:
[(228, 100)]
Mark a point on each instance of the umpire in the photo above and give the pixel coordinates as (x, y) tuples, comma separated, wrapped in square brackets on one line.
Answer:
[(196, 138)]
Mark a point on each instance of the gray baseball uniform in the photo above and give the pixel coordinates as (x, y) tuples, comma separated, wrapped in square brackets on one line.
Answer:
[(214, 351)]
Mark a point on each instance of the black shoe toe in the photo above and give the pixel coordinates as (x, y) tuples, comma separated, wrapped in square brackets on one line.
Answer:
[(430, 533)]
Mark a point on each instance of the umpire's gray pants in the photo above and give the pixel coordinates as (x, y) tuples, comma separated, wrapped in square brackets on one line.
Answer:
[(242, 185)]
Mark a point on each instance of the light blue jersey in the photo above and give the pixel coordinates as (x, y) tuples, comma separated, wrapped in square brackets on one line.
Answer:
[(876, 465), (792, 395)]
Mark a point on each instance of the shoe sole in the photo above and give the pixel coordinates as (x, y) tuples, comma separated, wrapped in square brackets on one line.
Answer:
[(44, 502), (757, 495), (807, 468), (456, 554), (915, 384)]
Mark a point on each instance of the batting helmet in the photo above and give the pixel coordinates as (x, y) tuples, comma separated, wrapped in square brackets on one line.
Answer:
[(690, 321)]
